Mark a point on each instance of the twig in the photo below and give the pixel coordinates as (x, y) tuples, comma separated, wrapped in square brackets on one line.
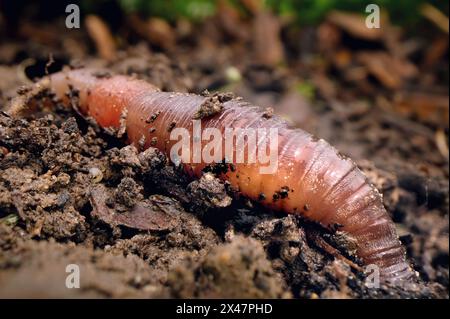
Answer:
[(441, 143), (320, 242), (101, 35), (20, 102), (434, 15)]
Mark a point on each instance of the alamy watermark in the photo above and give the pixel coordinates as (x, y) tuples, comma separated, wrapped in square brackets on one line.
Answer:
[(372, 279), (373, 18), (73, 17), (234, 145), (73, 278)]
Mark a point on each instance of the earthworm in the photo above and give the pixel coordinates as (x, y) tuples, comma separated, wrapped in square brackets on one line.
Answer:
[(312, 180)]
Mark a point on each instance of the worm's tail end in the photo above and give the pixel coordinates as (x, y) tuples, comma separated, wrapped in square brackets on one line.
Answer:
[(380, 247)]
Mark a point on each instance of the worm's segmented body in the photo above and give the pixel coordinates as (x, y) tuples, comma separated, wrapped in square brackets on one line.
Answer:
[(321, 184)]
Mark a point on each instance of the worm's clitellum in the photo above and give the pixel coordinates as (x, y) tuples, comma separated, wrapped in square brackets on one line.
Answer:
[(312, 179)]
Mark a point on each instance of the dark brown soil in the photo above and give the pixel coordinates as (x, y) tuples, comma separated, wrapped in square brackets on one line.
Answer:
[(138, 227)]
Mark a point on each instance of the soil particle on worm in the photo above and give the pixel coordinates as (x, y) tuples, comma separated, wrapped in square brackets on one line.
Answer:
[(213, 104)]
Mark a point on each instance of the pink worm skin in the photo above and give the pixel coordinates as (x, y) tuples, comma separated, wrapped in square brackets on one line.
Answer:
[(324, 186)]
